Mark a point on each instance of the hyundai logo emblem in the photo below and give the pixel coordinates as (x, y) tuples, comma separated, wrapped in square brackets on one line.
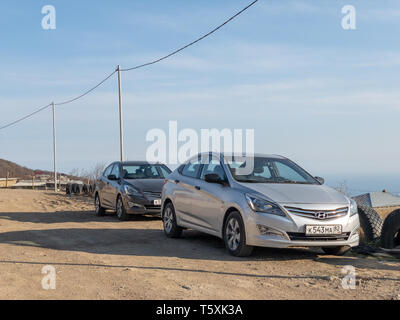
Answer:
[(321, 215)]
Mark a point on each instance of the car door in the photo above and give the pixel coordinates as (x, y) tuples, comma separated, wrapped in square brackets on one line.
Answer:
[(211, 205), (186, 196), (114, 185), (104, 186)]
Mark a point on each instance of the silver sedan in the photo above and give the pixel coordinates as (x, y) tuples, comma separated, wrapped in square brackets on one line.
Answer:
[(262, 200)]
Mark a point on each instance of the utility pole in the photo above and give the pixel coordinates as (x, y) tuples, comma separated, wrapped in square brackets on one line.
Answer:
[(121, 124), (54, 147)]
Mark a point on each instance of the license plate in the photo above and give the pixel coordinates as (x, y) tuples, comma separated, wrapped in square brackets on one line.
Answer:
[(323, 230), (157, 202)]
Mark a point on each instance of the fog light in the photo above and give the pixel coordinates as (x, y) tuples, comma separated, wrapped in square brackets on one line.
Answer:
[(268, 231), (355, 232), (131, 205)]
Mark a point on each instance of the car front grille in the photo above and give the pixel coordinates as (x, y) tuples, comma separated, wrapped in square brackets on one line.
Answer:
[(152, 194), (318, 214), (295, 236)]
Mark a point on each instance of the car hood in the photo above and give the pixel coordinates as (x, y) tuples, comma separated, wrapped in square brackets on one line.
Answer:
[(298, 193), (154, 185)]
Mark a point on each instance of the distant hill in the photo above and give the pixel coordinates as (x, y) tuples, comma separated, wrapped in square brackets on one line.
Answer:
[(15, 170)]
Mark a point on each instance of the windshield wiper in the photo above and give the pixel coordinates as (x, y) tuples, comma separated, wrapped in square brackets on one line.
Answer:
[(293, 182)]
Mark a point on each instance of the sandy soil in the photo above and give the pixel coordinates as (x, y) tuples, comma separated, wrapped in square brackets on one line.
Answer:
[(102, 258)]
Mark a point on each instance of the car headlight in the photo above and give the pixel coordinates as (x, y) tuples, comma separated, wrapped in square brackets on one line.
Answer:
[(129, 190), (353, 208), (261, 205)]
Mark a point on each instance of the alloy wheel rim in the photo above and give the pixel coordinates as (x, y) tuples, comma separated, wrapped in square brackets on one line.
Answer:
[(233, 234), (97, 204), (168, 220)]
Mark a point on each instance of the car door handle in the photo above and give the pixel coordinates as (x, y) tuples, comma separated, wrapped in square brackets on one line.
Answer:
[(198, 187), (177, 181)]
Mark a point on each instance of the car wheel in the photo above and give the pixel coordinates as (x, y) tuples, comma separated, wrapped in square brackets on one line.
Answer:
[(370, 224), (120, 210), (171, 228), (336, 251), (100, 211), (235, 236), (390, 237)]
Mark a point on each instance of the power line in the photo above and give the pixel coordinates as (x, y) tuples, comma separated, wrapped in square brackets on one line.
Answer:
[(129, 69), (87, 92), (58, 104), (25, 117), (192, 43)]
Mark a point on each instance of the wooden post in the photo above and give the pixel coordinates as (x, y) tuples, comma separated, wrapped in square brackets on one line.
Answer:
[(8, 175), (33, 182)]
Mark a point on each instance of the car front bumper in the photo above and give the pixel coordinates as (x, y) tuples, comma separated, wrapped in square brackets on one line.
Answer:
[(138, 205), (266, 230)]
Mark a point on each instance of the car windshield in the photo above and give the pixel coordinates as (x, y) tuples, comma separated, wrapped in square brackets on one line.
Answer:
[(145, 171), (270, 170)]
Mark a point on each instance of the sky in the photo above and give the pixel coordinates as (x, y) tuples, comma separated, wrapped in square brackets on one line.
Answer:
[(326, 97)]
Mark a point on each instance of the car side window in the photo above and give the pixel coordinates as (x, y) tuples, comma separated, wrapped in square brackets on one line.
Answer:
[(263, 171), (164, 172), (115, 171), (215, 167), (107, 172), (191, 169)]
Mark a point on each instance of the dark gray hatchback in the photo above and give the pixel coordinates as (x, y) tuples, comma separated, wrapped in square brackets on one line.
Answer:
[(132, 187)]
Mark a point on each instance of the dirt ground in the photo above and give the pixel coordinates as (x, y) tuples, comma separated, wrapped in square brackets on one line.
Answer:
[(102, 258)]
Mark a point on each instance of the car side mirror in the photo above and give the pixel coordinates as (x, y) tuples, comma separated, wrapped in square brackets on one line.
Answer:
[(213, 178), (320, 180), (112, 177)]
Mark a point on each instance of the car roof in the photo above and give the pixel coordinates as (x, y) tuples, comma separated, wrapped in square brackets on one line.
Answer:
[(136, 163), (228, 155), (255, 155)]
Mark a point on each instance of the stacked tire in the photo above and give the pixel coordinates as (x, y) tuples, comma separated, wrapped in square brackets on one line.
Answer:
[(85, 189), (390, 238), (80, 189), (68, 189), (370, 224)]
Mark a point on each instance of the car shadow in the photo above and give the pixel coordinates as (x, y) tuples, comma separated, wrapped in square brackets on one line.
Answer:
[(153, 243), (68, 216)]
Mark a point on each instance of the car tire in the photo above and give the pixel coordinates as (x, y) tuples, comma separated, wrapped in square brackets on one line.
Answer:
[(390, 237), (336, 251), (370, 224), (99, 210), (235, 236), (171, 228), (120, 210)]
